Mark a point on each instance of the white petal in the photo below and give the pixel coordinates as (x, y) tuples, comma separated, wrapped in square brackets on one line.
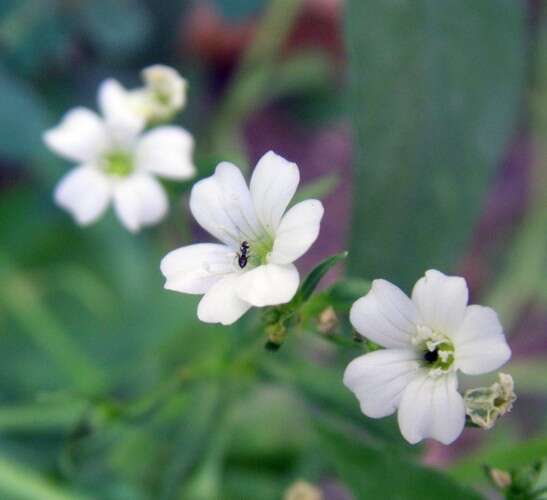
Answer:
[(379, 378), (140, 201), (221, 304), (222, 206), (385, 315), (81, 136), (123, 120), (273, 185), (431, 407), (268, 285), (297, 231), (441, 301), (85, 193), (166, 151), (195, 268), (480, 344)]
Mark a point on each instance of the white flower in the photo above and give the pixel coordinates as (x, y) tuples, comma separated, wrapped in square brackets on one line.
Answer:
[(428, 339), (118, 162), (259, 241)]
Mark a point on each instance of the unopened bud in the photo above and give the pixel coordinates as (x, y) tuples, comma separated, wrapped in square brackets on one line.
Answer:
[(302, 490), (276, 336), (500, 478), (484, 405), (327, 320)]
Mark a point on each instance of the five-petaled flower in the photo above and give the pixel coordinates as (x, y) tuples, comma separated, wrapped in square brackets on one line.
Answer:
[(428, 339), (253, 265), (118, 162)]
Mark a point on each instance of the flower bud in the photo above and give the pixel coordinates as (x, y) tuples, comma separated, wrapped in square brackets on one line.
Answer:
[(162, 96), (484, 405), (500, 478), (302, 490), (327, 321), (276, 336)]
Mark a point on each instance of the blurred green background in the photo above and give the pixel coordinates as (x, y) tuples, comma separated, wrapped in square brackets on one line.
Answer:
[(423, 127)]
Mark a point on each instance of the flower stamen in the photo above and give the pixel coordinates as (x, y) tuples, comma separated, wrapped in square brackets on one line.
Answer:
[(118, 164)]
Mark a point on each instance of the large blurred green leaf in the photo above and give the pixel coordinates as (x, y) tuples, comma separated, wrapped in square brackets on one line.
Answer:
[(23, 118), (435, 88)]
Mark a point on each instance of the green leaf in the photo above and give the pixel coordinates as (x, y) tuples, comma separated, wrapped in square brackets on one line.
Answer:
[(318, 189), (374, 473), (316, 275), (344, 293), (435, 94), (21, 483), (23, 118)]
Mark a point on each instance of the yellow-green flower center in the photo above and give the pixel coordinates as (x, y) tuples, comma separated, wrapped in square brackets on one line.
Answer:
[(436, 350), (118, 164), (258, 251)]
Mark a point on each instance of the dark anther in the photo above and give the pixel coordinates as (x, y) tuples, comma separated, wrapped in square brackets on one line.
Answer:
[(431, 356)]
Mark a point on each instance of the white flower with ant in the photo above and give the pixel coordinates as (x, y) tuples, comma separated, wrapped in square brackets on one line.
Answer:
[(428, 338), (118, 161), (260, 240)]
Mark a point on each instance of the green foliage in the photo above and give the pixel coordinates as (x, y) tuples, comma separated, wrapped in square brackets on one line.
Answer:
[(118, 28), (23, 118), (110, 388), (434, 94), (309, 284), (373, 473)]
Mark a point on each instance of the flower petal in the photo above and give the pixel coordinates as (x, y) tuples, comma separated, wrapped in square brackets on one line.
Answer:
[(268, 285), (85, 193), (166, 151), (222, 206), (385, 315), (441, 301), (379, 378), (480, 344), (297, 231), (221, 303), (81, 136), (123, 120), (273, 185), (196, 268), (140, 201), (431, 407)]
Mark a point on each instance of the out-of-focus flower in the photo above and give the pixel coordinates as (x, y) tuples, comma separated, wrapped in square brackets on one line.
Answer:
[(253, 265), (163, 95), (118, 162), (302, 490), (428, 339), (484, 405)]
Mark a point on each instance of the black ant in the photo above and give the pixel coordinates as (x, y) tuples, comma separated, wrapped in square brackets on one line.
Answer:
[(243, 254)]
